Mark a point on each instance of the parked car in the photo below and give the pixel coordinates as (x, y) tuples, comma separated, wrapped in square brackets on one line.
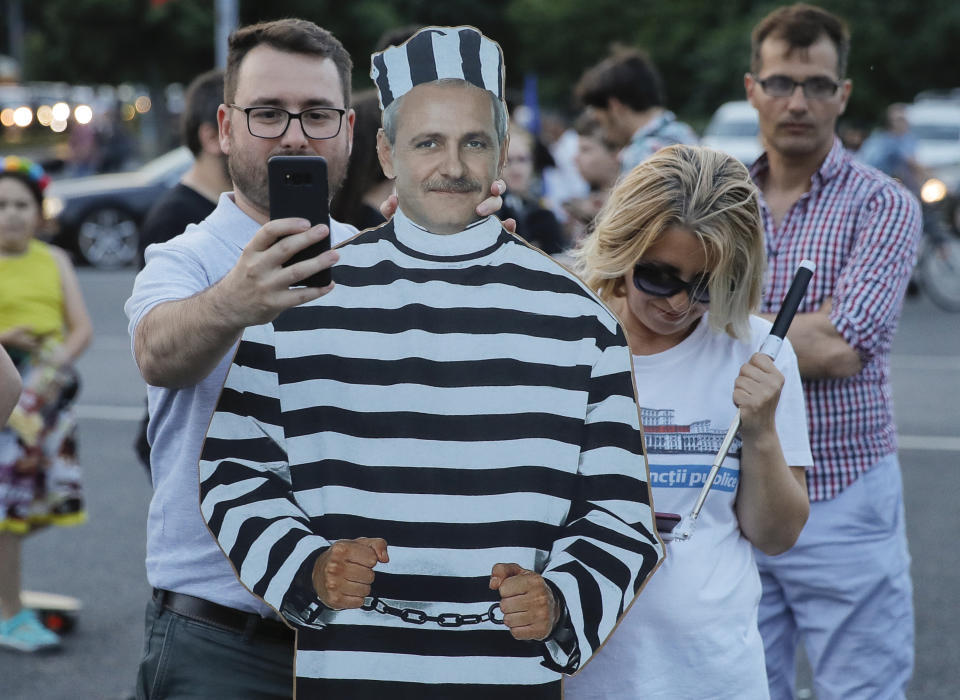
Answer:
[(98, 217), (936, 126), (734, 129)]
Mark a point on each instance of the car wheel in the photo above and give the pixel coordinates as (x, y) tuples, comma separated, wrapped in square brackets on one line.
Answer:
[(107, 238)]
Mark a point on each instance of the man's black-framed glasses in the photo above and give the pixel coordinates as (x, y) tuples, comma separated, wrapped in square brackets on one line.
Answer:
[(819, 87), (272, 122), (658, 281)]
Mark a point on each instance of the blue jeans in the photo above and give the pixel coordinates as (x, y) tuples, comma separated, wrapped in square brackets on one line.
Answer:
[(845, 589), (184, 658)]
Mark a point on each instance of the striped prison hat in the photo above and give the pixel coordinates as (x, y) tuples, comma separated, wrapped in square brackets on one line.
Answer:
[(438, 53)]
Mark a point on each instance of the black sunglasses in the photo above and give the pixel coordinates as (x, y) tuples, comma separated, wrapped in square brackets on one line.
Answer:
[(656, 281)]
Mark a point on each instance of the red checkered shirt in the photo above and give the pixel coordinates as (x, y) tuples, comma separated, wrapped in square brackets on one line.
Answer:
[(862, 230)]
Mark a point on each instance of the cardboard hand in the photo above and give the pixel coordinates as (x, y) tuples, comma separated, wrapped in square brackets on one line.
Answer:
[(526, 601), (343, 574)]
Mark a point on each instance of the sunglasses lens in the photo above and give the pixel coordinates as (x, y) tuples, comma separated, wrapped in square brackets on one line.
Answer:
[(659, 283), (655, 281)]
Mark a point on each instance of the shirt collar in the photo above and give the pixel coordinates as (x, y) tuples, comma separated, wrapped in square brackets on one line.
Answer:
[(230, 223), (476, 237), (654, 125)]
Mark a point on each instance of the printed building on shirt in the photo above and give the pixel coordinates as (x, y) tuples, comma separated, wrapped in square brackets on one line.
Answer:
[(663, 435), (467, 399)]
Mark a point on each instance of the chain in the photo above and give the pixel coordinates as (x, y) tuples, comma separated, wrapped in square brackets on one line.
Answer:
[(415, 616)]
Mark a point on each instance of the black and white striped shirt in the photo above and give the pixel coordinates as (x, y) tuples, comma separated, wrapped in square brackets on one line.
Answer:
[(467, 399)]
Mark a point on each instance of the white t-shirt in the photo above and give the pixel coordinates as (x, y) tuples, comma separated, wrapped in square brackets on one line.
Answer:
[(692, 632)]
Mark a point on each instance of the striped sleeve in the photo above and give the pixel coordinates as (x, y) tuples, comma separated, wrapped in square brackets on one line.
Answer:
[(246, 495), (608, 547), (869, 291)]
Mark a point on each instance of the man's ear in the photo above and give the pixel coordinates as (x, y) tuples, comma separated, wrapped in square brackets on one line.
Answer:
[(845, 87), (385, 154), (615, 108), (350, 119), (209, 137), (224, 125), (748, 83)]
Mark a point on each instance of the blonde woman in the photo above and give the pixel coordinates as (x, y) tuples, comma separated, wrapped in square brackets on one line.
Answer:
[(678, 254)]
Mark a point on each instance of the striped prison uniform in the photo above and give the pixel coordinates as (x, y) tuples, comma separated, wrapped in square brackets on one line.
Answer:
[(468, 400)]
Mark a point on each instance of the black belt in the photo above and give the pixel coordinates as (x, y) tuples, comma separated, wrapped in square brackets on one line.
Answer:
[(237, 620)]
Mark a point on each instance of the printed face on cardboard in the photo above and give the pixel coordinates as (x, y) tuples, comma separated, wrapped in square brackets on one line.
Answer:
[(446, 155)]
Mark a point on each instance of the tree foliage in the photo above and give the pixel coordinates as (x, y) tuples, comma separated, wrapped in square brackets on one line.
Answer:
[(899, 47)]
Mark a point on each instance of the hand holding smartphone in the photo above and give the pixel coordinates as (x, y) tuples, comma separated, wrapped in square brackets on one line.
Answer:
[(298, 188)]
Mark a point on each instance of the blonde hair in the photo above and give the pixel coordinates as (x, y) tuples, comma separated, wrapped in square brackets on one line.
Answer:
[(697, 189)]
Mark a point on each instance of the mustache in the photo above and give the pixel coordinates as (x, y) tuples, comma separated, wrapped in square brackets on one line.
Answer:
[(455, 185)]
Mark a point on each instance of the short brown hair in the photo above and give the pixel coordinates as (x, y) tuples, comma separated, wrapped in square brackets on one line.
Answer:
[(293, 36), (204, 95), (627, 74), (801, 25)]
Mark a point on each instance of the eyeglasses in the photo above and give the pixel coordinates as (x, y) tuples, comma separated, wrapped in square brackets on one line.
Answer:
[(656, 281), (816, 88), (272, 122)]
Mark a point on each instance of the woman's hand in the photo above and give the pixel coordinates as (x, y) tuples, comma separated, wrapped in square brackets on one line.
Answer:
[(756, 393)]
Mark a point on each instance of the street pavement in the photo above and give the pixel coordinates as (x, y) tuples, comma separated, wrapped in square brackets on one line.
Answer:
[(101, 562)]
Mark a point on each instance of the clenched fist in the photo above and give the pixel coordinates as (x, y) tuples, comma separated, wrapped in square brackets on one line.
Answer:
[(342, 575), (526, 601), (756, 393)]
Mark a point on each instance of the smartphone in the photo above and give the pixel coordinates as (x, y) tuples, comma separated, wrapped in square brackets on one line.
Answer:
[(666, 522), (298, 188)]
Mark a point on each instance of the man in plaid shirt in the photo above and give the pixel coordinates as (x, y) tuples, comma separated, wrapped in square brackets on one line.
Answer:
[(845, 586)]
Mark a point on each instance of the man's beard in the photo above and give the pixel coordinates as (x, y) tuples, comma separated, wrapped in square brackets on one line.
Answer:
[(249, 176)]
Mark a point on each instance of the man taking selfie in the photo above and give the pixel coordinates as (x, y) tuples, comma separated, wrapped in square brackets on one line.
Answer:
[(206, 635)]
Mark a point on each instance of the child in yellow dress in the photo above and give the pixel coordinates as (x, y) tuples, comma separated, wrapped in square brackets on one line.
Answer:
[(44, 326)]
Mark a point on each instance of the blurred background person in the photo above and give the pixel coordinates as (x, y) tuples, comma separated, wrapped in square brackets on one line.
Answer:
[(852, 134), (84, 156), (598, 165), (196, 195), (624, 92), (365, 187), (194, 198), (535, 223), (44, 326), (561, 179), (115, 146), (893, 149)]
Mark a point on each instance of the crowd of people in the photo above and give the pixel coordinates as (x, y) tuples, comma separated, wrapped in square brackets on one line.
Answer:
[(437, 476)]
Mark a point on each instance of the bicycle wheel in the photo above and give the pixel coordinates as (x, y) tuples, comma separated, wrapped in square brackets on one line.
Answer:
[(939, 268)]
